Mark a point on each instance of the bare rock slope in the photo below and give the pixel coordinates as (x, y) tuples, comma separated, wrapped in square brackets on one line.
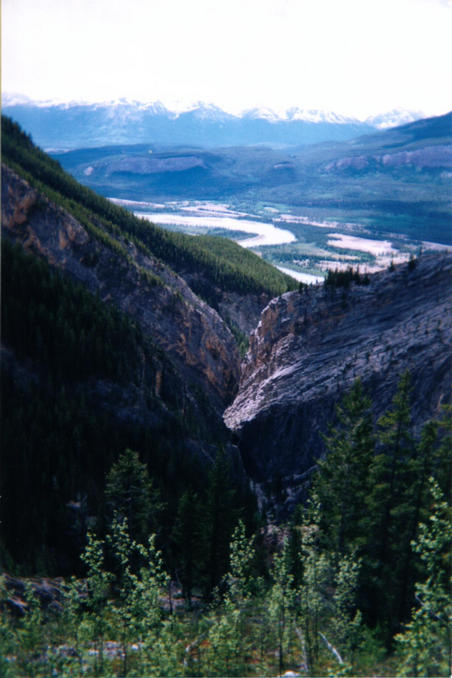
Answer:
[(310, 346)]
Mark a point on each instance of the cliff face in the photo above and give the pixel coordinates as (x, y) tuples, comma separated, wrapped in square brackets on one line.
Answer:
[(309, 348), (81, 382), (192, 335)]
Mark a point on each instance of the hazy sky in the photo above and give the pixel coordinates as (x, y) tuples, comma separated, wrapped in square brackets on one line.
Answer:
[(357, 57)]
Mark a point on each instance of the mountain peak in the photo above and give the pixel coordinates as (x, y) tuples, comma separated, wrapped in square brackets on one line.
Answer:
[(394, 118), (318, 115), (210, 111), (206, 111), (262, 114)]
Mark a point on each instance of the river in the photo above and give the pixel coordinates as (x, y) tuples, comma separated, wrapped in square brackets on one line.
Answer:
[(307, 278), (263, 233)]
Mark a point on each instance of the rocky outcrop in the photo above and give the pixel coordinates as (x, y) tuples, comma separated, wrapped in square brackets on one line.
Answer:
[(310, 346), (438, 156), (13, 593), (243, 311), (192, 334)]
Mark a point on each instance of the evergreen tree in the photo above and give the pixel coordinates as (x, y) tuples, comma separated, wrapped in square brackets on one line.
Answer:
[(341, 484), (425, 647), (281, 603), (389, 468), (393, 507), (219, 515), (186, 542), (130, 495)]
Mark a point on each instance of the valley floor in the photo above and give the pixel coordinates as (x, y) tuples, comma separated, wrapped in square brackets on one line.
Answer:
[(299, 245)]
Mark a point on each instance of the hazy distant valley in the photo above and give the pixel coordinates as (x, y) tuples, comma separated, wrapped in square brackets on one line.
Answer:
[(329, 191), (368, 201)]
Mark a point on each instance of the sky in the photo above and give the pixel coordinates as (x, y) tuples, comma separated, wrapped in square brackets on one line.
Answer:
[(354, 57)]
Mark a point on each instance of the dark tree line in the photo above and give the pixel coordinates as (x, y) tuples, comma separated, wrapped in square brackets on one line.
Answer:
[(345, 278)]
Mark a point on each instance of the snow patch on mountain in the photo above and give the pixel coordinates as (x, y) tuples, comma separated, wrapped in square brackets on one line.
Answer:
[(318, 115), (394, 118), (262, 114)]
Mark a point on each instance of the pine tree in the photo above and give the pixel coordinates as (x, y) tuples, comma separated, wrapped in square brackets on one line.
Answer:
[(281, 603), (130, 494), (425, 647), (341, 484), (219, 515), (389, 466), (399, 473), (186, 547)]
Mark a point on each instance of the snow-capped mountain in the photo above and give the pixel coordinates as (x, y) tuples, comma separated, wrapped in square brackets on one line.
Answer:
[(313, 115), (54, 124), (317, 116), (206, 111), (262, 114), (394, 118)]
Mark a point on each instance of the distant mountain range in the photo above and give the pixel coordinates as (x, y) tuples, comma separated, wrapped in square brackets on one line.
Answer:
[(80, 125)]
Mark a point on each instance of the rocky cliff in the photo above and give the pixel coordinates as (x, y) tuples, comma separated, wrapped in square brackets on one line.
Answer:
[(240, 311), (310, 346), (192, 335)]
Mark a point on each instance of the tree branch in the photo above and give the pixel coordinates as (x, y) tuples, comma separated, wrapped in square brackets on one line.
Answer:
[(331, 648)]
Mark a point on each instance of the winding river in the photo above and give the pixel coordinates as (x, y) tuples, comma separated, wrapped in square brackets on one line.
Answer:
[(263, 233), (207, 216)]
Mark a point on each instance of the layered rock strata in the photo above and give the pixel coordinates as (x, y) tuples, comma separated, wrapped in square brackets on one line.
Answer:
[(310, 346)]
